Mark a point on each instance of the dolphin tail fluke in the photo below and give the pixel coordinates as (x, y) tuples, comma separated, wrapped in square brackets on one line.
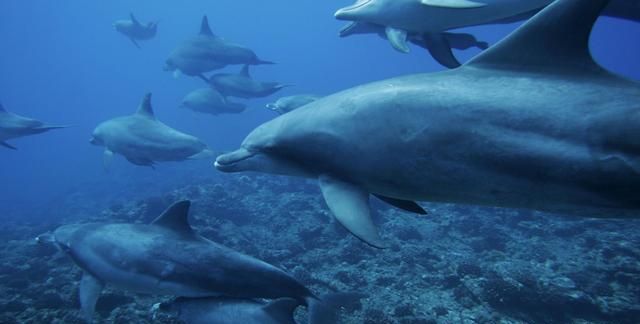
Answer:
[(327, 309), (7, 145)]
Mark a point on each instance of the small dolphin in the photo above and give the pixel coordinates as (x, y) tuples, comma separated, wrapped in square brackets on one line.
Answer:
[(207, 52), (136, 31), (13, 126), (401, 18), (143, 140), (167, 257), (439, 45), (533, 122), (241, 85), (230, 310), (286, 104), (210, 101)]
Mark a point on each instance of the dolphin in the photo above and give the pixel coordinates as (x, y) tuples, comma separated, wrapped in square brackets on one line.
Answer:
[(439, 45), (13, 126), (218, 310), (241, 85), (533, 122), (207, 52), (432, 17), (136, 31), (144, 140), (167, 257), (286, 104), (210, 101)]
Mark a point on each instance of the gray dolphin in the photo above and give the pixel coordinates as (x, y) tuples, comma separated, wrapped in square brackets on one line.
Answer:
[(136, 31), (439, 45), (286, 104), (144, 140), (241, 85), (532, 122), (210, 101), (207, 52), (230, 310), (14, 126), (167, 257), (432, 17)]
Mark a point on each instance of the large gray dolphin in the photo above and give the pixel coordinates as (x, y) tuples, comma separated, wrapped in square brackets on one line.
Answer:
[(286, 104), (167, 257), (136, 31), (241, 85), (532, 122), (14, 126), (144, 140), (207, 52), (439, 45), (229, 310), (210, 101)]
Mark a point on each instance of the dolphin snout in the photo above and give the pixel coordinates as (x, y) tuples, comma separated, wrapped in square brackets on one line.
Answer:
[(346, 13), (229, 162)]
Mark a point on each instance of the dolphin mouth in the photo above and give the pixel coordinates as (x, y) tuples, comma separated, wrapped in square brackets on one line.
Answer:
[(231, 162), (343, 13), (346, 30)]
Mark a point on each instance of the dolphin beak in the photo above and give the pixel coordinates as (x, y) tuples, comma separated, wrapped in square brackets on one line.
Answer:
[(346, 30), (347, 13), (229, 162)]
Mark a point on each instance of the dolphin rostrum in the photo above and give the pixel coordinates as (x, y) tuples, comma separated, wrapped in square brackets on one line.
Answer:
[(136, 31), (144, 140), (241, 85), (532, 122), (167, 257), (13, 126), (207, 52)]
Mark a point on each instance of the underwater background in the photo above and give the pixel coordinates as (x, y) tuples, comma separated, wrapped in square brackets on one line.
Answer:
[(62, 62)]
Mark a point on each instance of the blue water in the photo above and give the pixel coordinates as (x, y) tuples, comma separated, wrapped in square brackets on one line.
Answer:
[(63, 63)]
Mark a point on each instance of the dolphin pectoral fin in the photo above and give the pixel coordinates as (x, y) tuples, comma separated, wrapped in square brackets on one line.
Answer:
[(453, 4), (107, 158), (350, 205), (176, 74), (440, 49), (397, 38), (7, 145), (406, 205), (141, 161), (135, 42), (281, 309), (90, 289)]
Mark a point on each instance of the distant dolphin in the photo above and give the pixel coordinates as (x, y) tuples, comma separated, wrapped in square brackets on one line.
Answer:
[(402, 18), (210, 101), (241, 85), (136, 31), (14, 126), (230, 310), (532, 122), (167, 257), (143, 140), (286, 104), (207, 52), (439, 45)]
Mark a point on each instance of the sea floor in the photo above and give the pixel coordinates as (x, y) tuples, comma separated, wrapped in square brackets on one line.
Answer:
[(458, 264)]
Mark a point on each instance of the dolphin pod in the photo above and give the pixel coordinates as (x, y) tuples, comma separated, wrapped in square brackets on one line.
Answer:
[(14, 126), (207, 52), (143, 140), (135, 31), (540, 126), (167, 257)]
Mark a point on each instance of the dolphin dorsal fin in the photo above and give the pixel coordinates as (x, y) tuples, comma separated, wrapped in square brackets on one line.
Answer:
[(176, 218), (245, 71), (555, 39), (133, 19), (145, 108), (204, 27), (281, 309)]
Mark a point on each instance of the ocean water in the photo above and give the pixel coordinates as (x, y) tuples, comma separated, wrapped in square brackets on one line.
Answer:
[(62, 62)]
